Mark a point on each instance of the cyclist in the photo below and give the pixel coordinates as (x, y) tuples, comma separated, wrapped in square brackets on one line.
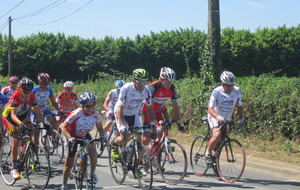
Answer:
[(43, 92), (15, 117), (109, 103), (3, 102), (77, 126), (128, 106), (221, 105), (67, 99), (162, 90), (13, 84)]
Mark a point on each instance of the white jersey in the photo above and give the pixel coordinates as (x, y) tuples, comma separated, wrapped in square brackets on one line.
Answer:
[(80, 123), (224, 103), (113, 100), (132, 99)]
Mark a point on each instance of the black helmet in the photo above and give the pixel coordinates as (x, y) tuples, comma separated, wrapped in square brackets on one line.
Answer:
[(26, 84)]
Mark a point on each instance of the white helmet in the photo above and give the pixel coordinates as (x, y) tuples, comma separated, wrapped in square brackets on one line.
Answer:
[(68, 84), (228, 77), (167, 73)]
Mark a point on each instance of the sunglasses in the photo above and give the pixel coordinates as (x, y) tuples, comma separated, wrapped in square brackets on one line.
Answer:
[(141, 83), (89, 106)]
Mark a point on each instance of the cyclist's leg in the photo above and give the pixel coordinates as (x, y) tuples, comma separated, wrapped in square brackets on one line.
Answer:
[(213, 123), (107, 125), (69, 161)]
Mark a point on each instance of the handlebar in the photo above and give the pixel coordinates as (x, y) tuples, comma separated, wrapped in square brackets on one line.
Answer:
[(84, 142), (165, 123)]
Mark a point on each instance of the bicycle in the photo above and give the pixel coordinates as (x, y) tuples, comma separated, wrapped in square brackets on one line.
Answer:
[(33, 160), (82, 170), (169, 156), (135, 157), (229, 159), (52, 141)]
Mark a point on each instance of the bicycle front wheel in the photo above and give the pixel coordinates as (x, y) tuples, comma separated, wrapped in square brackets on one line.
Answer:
[(143, 166), (172, 162), (55, 147), (117, 167), (76, 173), (197, 156), (5, 164), (87, 173), (37, 167), (231, 161)]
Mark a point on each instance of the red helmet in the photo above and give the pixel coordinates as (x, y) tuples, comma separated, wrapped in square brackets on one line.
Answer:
[(14, 79), (44, 77)]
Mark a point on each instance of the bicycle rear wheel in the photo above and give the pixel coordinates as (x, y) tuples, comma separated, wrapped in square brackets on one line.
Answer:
[(197, 155), (54, 145), (143, 167), (231, 161), (117, 167), (37, 168), (5, 164), (172, 162)]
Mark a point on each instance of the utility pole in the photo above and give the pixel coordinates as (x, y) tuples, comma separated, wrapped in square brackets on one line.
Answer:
[(214, 36), (9, 47)]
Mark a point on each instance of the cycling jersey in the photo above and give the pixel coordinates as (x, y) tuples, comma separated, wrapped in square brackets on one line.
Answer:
[(160, 95), (23, 108), (42, 97), (66, 103), (8, 91), (224, 103), (113, 100), (132, 99), (81, 123)]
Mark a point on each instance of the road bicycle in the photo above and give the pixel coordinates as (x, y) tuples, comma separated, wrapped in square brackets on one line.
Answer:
[(32, 163), (169, 157), (134, 157), (81, 172), (229, 159), (51, 140)]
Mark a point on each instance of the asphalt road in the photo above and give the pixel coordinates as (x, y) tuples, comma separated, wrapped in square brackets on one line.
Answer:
[(255, 177)]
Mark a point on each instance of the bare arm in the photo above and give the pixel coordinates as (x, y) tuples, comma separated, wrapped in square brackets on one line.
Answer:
[(54, 104), (107, 100), (39, 114), (100, 128), (121, 115), (64, 130)]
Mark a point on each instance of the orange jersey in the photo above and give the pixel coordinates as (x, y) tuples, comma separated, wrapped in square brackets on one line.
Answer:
[(66, 103)]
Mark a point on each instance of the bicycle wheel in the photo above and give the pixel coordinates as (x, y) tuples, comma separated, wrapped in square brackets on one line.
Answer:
[(5, 164), (100, 146), (143, 166), (54, 145), (231, 161), (117, 167), (76, 173), (37, 167), (197, 156), (172, 162), (87, 173)]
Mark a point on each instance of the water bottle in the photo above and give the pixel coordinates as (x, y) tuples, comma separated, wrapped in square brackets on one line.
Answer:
[(129, 151)]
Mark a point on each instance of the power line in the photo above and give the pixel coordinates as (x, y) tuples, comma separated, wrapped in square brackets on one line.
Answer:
[(12, 9), (42, 10), (3, 26), (57, 20)]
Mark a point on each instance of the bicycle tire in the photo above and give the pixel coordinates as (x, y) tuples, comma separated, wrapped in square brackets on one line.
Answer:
[(37, 167), (55, 147), (231, 161), (5, 164), (76, 172), (173, 162), (197, 156), (87, 174), (117, 168), (145, 180), (100, 146)]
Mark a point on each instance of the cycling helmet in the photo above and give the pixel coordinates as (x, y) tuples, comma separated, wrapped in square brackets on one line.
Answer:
[(167, 73), (14, 79), (44, 77), (68, 84), (228, 77), (87, 97), (140, 74), (26, 84), (119, 84)]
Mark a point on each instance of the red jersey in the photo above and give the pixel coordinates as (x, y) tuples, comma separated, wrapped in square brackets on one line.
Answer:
[(66, 103)]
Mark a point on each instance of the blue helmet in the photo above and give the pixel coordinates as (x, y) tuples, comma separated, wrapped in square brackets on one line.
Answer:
[(119, 84), (87, 97)]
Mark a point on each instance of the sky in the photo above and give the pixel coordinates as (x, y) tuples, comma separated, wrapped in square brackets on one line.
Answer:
[(127, 18)]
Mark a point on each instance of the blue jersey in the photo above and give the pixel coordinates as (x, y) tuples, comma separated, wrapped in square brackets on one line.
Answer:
[(3, 101), (42, 97)]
